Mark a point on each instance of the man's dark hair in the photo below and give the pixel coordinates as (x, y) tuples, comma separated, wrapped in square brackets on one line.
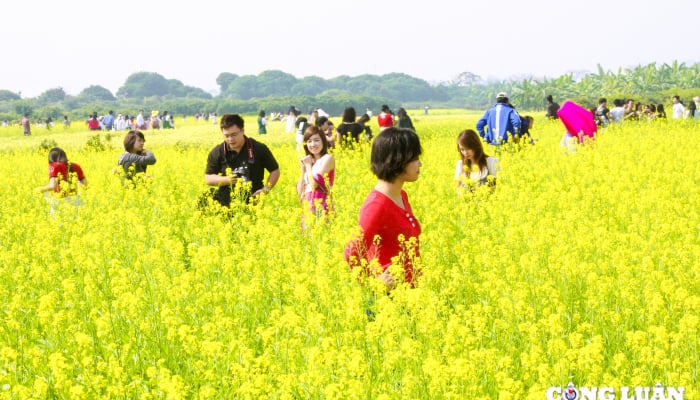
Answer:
[(502, 100), (321, 120), (349, 114), (229, 120), (550, 99), (130, 140), (618, 102), (111, 112), (392, 149), (677, 97), (602, 100)]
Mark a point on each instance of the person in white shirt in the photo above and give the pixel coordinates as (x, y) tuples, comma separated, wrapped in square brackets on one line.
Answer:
[(678, 108), (474, 168), (617, 112), (140, 122)]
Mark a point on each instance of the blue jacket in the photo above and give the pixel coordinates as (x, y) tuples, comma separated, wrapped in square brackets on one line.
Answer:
[(108, 120), (502, 121)]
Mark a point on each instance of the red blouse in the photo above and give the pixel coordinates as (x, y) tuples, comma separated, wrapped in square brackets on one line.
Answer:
[(380, 216), (385, 120), (59, 170)]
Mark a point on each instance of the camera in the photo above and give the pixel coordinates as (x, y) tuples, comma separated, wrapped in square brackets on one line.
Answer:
[(242, 172)]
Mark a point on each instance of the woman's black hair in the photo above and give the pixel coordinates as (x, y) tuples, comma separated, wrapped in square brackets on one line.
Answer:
[(392, 150), (57, 155), (261, 113), (349, 114), (386, 109)]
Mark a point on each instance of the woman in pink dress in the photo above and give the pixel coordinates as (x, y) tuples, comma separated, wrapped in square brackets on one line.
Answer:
[(317, 174)]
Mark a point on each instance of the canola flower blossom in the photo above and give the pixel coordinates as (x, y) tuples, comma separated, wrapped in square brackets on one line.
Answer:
[(577, 267)]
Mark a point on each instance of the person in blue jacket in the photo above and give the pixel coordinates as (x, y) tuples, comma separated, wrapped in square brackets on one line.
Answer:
[(501, 121)]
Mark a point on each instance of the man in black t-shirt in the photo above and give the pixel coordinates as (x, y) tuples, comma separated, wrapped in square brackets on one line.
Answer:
[(239, 160)]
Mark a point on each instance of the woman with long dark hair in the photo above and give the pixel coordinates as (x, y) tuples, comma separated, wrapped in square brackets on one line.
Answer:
[(474, 168), (317, 174), (349, 130)]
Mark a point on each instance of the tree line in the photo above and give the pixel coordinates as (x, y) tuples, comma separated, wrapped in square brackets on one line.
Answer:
[(275, 90)]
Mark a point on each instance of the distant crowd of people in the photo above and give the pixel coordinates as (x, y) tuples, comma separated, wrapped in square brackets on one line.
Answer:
[(631, 110)]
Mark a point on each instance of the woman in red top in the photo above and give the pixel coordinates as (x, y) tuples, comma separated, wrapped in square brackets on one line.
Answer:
[(93, 123), (64, 178), (385, 118), (389, 230)]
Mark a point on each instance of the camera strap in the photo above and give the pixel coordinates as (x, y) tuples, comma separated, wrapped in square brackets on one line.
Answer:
[(250, 153)]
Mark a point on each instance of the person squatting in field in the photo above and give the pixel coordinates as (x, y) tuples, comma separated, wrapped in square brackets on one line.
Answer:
[(135, 158), (474, 168), (317, 175), (239, 160), (501, 121), (64, 178), (388, 230)]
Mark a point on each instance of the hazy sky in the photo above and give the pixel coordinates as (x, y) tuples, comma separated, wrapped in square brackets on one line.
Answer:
[(76, 43)]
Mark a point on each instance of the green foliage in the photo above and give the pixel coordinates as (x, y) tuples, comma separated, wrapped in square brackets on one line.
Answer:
[(96, 92), (224, 80), (94, 143), (47, 144), (22, 108), (6, 95), (52, 96), (275, 90)]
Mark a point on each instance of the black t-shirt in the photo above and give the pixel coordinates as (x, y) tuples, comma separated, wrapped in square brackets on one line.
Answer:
[(353, 129), (552, 109), (405, 122), (253, 166)]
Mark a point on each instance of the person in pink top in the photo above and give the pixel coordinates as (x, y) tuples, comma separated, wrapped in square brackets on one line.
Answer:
[(317, 174), (388, 229)]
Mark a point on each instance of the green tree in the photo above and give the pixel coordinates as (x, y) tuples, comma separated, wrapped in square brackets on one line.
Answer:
[(224, 80), (96, 92), (309, 86), (52, 96), (144, 84), (274, 83), (243, 88), (7, 95)]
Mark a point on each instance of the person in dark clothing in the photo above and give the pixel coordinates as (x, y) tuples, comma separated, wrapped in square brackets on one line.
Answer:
[(348, 131), (404, 119), (239, 160), (552, 108)]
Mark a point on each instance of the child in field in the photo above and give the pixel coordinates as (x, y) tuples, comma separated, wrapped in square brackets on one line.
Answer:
[(135, 159), (474, 168), (64, 178)]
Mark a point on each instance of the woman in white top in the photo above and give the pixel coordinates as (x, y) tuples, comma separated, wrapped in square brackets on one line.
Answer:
[(474, 168)]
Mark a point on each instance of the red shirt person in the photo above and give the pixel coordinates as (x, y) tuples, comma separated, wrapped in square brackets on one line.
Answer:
[(385, 118), (63, 176), (389, 232)]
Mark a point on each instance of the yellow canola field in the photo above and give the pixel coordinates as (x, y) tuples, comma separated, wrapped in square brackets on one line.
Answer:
[(579, 268)]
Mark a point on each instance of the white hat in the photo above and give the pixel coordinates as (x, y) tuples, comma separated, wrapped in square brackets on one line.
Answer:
[(501, 94)]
